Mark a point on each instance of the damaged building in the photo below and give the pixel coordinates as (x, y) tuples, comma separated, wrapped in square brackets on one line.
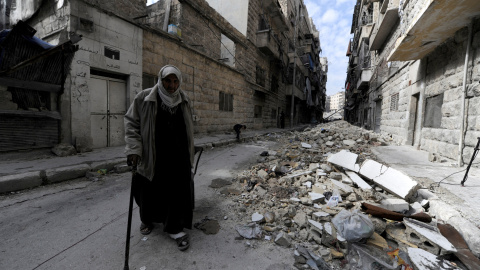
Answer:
[(239, 67), (414, 76)]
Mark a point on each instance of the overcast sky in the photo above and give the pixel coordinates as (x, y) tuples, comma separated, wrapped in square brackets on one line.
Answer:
[(333, 19)]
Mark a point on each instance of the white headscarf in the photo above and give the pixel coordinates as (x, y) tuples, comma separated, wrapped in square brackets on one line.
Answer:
[(169, 101)]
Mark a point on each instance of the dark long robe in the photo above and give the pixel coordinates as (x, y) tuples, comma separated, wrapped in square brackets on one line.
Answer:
[(168, 198)]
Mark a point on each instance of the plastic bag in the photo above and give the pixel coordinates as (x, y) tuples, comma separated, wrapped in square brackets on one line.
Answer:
[(353, 226), (334, 199)]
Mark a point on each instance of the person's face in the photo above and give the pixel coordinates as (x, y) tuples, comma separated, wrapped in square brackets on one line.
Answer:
[(170, 83)]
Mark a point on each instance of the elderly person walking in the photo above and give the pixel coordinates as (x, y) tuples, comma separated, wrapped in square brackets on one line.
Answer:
[(159, 140)]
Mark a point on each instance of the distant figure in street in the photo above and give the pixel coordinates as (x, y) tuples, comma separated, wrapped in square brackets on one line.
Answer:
[(159, 140), (238, 129), (282, 119)]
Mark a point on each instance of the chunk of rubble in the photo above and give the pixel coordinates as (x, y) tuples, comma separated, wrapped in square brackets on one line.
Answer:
[(345, 188), (257, 218), (345, 159), (358, 180), (427, 237), (389, 179), (422, 259), (396, 205), (282, 239), (316, 197), (306, 145)]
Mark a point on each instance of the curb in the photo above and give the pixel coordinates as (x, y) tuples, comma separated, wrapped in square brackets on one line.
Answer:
[(21, 181), (27, 180)]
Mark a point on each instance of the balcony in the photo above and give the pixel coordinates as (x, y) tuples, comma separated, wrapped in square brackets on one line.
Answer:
[(385, 24), (423, 34), (364, 79), (298, 62), (275, 13), (296, 92), (267, 43)]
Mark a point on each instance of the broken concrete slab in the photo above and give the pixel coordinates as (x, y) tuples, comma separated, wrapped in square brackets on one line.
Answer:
[(471, 233), (316, 197), (345, 159), (427, 237), (372, 169), (345, 188), (422, 259), (389, 179), (321, 216), (358, 180)]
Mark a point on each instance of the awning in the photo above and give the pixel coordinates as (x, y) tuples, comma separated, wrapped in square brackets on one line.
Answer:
[(438, 21)]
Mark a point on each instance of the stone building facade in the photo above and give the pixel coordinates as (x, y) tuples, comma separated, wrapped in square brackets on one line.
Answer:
[(235, 71), (422, 74)]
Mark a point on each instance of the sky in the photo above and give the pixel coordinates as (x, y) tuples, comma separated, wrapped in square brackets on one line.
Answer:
[(333, 19)]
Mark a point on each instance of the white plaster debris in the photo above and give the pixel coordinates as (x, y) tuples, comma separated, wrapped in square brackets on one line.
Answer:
[(306, 145), (396, 205), (372, 169), (316, 197), (342, 186), (321, 214), (345, 159), (389, 179), (433, 236), (358, 180), (297, 174), (256, 217), (308, 184), (317, 225), (422, 259)]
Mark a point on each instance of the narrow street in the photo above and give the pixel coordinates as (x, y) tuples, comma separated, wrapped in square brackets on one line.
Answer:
[(81, 224)]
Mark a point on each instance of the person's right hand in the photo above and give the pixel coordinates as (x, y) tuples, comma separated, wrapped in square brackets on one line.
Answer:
[(132, 160)]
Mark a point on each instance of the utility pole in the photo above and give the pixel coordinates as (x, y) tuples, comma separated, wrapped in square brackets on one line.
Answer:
[(294, 64)]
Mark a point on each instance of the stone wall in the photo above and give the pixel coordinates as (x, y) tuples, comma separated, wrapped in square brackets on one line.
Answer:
[(210, 78)]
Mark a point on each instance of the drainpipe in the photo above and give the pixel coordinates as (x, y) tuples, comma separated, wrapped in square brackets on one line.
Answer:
[(167, 16), (464, 87)]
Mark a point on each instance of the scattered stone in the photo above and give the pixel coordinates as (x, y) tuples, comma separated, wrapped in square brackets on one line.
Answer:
[(282, 240), (257, 218), (219, 182), (64, 149)]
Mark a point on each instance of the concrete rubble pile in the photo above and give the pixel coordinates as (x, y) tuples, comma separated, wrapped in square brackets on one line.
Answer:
[(322, 194)]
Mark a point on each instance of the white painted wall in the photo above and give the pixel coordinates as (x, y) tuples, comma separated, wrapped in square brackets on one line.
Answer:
[(235, 12), (114, 33)]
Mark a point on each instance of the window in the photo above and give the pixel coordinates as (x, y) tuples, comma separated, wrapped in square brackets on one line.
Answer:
[(13, 5), (394, 102), (225, 102), (112, 53), (258, 111), (274, 84), (148, 81), (260, 76), (433, 111), (262, 23), (274, 114)]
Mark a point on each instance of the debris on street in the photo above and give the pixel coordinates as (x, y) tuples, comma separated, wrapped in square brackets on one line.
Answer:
[(322, 194)]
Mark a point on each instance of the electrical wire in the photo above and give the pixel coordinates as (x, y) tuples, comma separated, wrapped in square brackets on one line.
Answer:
[(439, 182)]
